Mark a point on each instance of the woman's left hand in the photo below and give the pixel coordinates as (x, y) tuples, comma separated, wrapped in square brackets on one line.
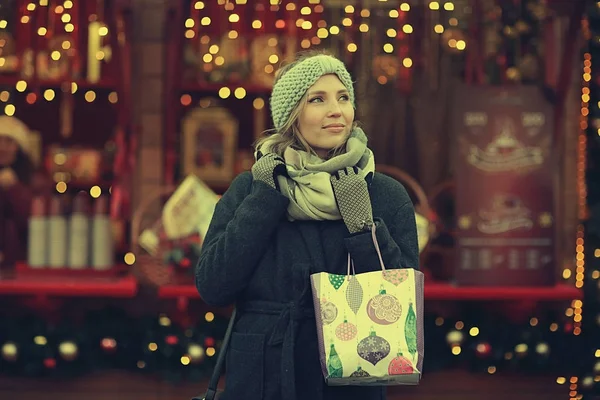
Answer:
[(8, 177), (352, 196)]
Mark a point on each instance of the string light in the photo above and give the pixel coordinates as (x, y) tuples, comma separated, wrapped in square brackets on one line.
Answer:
[(577, 305), (90, 96), (186, 100), (224, 92), (240, 93), (449, 6), (61, 187), (9, 110)]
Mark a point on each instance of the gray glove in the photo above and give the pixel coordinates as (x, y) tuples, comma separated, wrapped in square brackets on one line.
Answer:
[(353, 200), (267, 167)]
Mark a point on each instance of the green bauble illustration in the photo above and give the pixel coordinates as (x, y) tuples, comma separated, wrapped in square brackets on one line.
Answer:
[(334, 364), (410, 330), (336, 280)]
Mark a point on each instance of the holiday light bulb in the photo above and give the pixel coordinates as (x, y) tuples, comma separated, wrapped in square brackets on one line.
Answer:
[(10, 351), (68, 350), (196, 353)]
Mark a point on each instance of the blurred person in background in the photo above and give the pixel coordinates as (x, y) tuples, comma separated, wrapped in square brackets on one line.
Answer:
[(18, 183)]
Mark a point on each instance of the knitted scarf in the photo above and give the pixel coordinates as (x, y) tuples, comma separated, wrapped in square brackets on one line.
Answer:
[(308, 186)]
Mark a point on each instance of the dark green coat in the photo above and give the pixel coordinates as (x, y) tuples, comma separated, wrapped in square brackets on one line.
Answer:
[(254, 257)]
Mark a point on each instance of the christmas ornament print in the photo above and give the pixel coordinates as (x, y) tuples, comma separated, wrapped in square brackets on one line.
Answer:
[(373, 348), (400, 365), (395, 276), (360, 373), (334, 364), (410, 330), (384, 309), (368, 327), (329, 312), (336, 280), (346, 331), (354, 294)]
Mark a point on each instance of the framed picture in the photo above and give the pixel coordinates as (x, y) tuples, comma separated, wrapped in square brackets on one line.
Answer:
[(209, 144)]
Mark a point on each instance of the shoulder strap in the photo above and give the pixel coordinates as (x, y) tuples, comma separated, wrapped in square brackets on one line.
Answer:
[(211, 392)]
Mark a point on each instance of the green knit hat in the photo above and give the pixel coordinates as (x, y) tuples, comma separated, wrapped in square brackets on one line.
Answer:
[(290, 87)]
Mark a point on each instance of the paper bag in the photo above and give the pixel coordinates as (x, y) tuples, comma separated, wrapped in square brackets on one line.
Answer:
[(370, 326)]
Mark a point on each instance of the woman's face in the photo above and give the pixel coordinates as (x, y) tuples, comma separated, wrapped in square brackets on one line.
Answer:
[(8, 150), (327, 116)]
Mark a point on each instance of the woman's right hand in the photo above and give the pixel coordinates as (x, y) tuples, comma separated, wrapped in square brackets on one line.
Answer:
[(267, 167)]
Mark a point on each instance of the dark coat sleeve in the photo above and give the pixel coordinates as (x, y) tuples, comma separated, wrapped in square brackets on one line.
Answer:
[(245, 218), (396, 236)]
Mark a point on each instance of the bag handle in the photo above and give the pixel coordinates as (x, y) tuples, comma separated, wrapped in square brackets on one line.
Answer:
[(377, 249), (211, 392)]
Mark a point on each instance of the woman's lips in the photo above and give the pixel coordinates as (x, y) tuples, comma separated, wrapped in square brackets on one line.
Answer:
[(334, 128)]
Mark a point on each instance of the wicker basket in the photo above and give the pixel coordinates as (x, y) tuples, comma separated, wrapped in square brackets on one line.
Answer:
[(150, 269), (414, 189)]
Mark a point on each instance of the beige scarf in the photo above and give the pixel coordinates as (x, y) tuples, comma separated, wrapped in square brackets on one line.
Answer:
[(308, 186)]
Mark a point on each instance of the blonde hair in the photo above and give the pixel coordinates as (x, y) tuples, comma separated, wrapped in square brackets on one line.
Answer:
[(289, 133)]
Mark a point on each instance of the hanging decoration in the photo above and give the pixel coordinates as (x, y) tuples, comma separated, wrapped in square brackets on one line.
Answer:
[(586, 313), (254, 38), (48, 45)]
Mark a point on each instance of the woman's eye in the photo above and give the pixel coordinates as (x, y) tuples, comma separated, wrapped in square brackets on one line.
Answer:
[(345, 97), (315, 100)]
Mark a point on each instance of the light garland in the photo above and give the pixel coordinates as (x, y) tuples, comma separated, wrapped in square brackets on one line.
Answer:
[(307, 23), (582, 205), (590, 381), (52, 17)]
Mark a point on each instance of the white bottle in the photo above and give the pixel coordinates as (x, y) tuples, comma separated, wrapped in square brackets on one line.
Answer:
[(102, 238), (79, 238), (37, 246), (57, 235)]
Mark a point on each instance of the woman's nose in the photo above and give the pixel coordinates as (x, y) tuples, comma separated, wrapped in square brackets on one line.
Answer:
[(335, 109)]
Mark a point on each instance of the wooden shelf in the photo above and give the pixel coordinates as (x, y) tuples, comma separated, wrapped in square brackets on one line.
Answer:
[(106, 83), (250, 88), (86, 185), (442, 291), (69, 283), (445, 291)]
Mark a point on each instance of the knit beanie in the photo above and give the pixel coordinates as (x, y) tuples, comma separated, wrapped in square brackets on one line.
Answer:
[(291, 87)]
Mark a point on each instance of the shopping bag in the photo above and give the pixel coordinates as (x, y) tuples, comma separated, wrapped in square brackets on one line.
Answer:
[(370, 325)]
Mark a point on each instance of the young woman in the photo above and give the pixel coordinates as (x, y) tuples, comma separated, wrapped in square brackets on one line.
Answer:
[(311, 198), (16, 179)]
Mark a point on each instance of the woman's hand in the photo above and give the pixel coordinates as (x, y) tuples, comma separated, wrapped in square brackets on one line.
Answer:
[(352, 196), (267, 167), (8, 178)]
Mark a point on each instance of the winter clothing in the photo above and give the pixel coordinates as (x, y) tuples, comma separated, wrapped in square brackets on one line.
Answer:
[(256, 258)]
